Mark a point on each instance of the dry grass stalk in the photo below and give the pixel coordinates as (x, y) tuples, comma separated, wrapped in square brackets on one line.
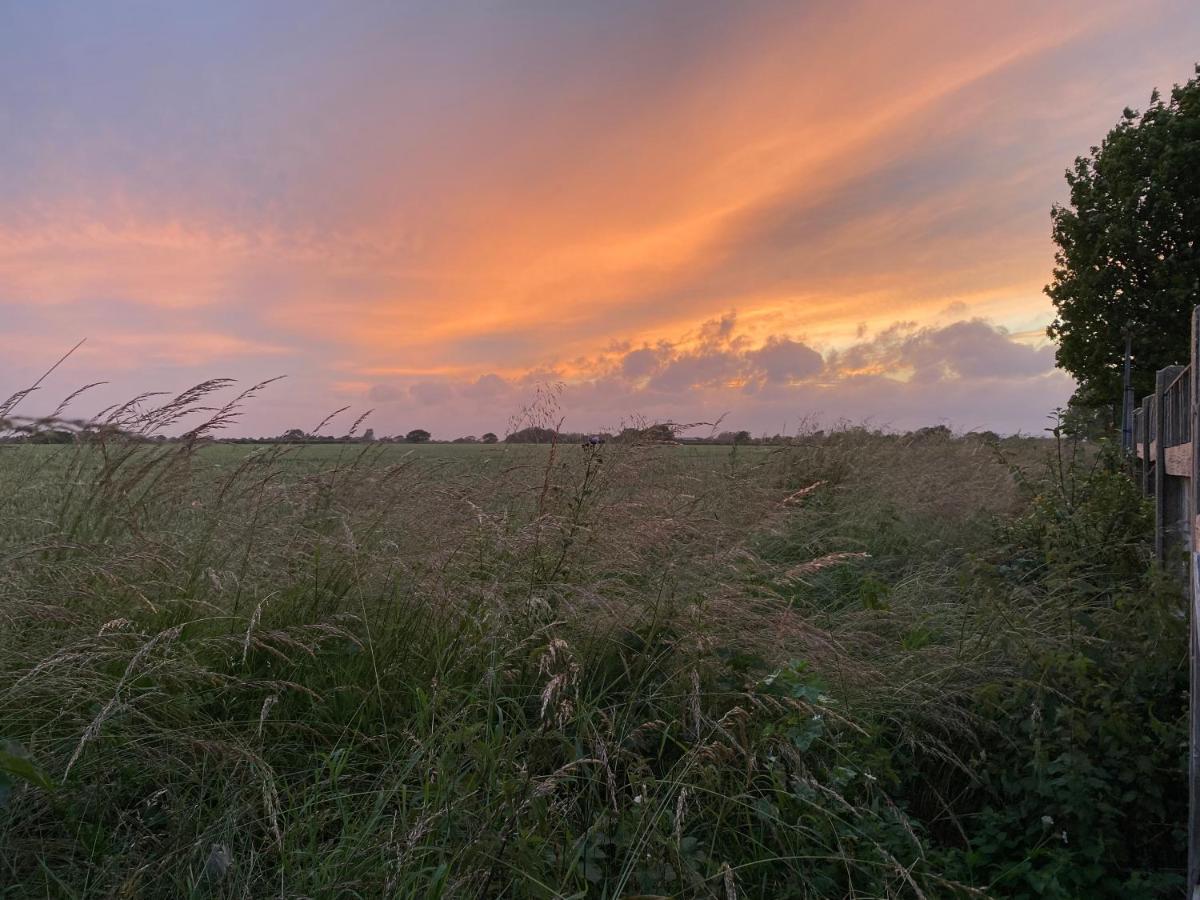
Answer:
[(813, 566)]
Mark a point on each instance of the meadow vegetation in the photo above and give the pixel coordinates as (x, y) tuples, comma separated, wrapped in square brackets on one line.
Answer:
[(859, 665)]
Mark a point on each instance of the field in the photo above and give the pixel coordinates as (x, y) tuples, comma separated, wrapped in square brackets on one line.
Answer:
[(861, 665)]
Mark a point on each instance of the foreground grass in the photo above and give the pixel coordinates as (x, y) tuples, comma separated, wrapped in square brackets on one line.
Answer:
[(858, 666)]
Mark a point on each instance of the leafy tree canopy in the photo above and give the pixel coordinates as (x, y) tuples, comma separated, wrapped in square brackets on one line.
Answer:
[(417, 436), (537, 434), (1127, 253)]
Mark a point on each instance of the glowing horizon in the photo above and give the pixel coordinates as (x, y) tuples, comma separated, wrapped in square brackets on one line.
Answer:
[(775, 211)]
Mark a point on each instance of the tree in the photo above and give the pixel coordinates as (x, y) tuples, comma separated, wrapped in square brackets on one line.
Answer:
[(534, 434), (417, 436), (489, 438), (293, 435), (369, 435), (1127, 254), (51, 436)]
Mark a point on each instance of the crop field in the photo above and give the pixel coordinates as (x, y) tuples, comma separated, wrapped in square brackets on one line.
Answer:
[(858, 665)]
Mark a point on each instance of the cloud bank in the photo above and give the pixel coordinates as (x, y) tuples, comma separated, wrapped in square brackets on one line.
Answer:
[(969, 374)]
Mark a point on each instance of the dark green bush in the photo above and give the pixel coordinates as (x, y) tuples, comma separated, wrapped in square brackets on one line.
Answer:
[(1082, 776)]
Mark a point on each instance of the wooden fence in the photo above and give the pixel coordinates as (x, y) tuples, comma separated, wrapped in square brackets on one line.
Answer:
[(1165, 427)]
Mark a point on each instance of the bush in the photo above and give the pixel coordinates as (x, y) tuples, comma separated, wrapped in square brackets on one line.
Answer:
[(1082, 786)]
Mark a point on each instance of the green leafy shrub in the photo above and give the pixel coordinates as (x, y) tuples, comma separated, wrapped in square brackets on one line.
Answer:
[(1082, 779)]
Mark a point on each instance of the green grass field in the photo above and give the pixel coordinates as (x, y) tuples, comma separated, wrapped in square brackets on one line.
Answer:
[(860, 665)]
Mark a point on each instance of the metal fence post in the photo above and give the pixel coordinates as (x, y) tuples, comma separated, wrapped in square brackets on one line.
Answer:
[(1127, 396)]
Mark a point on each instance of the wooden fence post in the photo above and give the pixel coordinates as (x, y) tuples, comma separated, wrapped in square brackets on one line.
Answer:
[(1161, 380), (1192, 513), (1147, 440), (1168, 518)]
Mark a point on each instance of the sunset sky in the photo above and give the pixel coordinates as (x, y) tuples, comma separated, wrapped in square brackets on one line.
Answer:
[(780, 212)]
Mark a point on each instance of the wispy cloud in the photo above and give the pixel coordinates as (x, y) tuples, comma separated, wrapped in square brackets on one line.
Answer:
[(446, 206)]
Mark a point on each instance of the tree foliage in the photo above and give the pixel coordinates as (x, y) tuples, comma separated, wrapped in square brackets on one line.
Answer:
[(1127, 256), (537, 434)]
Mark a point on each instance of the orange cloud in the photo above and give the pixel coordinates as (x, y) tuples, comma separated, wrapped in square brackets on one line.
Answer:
[(430, 198)]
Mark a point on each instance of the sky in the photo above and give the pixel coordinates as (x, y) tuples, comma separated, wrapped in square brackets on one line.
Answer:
[(776, 213)]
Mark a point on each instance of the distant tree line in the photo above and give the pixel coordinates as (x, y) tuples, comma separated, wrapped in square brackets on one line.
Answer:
[(659, 433), (299, 436)]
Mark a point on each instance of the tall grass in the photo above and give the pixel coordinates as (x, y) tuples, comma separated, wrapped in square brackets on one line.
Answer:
[(519, 672)]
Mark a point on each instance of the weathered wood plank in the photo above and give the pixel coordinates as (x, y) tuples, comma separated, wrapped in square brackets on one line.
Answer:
[(1147, 452), (1179, 460), (1159, 455)]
